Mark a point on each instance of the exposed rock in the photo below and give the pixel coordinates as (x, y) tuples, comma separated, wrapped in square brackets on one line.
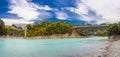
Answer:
[(114, 49), (114, 37), (73, 34)]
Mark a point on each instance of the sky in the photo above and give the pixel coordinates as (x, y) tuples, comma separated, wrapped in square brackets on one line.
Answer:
[(73, 11)]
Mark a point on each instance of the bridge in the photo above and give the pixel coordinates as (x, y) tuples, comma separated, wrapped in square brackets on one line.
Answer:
[(89, 26), (91, 29)]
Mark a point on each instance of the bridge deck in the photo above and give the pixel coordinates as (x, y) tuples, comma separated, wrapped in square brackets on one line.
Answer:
[(87, 26)]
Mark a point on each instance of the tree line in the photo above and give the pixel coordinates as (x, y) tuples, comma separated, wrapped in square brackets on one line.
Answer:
[(9, 30), (48, 28), (36, 29), (2, 28), (92, 31), (114, 29)]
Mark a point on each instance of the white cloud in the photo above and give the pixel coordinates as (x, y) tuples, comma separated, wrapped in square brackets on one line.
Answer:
[(27, 10), (16, 21), (81, 9), (106, 10), (24, 9), (45, 8), (61, 15), (109, 10), (72, 9)]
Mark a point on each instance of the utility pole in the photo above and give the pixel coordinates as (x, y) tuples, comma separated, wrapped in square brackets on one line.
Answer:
[(25, 31)]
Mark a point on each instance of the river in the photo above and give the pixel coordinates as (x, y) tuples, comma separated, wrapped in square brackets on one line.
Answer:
[(72, 47)]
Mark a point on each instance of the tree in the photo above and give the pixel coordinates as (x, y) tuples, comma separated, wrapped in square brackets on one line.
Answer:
[(51, 27), (48, 28), (8, 30), (114, 29), (2, 28), (44, 23)]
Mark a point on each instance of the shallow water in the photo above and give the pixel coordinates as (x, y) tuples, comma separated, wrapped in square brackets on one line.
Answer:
[(72, 47)]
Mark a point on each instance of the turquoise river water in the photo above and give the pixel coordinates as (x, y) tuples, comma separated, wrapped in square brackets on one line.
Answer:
[(73, 47)]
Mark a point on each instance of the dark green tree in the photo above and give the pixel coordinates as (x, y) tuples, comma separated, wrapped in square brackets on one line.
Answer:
[(114, 29), (48, 28), (2, 28)]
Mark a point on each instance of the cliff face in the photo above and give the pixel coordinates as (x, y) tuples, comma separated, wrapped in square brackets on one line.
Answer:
[(73, 34)]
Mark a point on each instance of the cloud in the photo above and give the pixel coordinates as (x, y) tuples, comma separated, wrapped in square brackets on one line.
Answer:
[(44, 15), (28, 11), (61, 15), (16, 21), (97, 11), (106, 11), (46, 7), (24, 9), (83, 11)]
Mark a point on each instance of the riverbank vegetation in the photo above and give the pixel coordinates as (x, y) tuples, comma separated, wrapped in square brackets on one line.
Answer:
[(2, 28), (92, 30), (43, 28), (47, 28), (114, 31)]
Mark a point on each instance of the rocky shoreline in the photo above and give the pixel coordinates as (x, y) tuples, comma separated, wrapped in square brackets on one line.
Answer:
[(113, 49), (110, 49)]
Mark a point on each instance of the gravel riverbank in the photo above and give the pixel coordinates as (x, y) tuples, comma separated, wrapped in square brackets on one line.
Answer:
[(113, 49), (110, 49)]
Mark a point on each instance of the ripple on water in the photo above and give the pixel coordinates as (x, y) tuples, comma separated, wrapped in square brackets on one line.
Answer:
[(49, 47)]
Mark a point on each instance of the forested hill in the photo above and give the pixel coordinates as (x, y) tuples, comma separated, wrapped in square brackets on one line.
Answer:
[(43, 28), (47, 28), (2, 28)]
